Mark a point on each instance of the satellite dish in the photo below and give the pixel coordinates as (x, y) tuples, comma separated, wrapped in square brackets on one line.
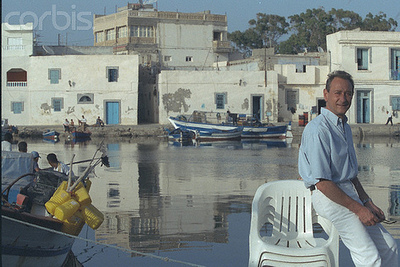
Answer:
[(320, 49), (48, 50)]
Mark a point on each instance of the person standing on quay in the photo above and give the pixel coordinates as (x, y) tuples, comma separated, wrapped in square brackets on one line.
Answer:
[(328, 166), (389, 119)]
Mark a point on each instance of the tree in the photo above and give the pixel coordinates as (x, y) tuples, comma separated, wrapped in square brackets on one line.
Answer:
[(270, 28), (378, 23), (245, 41), (345, 19), (311, 28), (264, 31)]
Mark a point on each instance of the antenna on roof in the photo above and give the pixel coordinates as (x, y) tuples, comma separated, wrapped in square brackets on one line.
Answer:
[(48, 50), (320, 49)]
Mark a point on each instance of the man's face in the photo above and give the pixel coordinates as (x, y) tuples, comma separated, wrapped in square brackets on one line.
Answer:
[(338, 99)]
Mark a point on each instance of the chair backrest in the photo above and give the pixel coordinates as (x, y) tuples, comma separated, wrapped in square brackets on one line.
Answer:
[(286, 205)]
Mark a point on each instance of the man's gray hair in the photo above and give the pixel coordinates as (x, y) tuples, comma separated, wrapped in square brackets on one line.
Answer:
[(339, 74)]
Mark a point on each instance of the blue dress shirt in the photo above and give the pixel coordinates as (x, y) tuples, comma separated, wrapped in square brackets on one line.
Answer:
[(327, 150)]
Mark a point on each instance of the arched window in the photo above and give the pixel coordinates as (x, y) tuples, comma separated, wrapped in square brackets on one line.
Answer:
[(17, 78), (85, 98)]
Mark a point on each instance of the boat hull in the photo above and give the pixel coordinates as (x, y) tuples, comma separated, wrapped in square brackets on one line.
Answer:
[(51, 135), (25, 245), (81, 135), (248, 131)]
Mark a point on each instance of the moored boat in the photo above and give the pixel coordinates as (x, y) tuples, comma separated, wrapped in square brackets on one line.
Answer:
[(51, 134), (77, 134), (249, 130), (31, 236)]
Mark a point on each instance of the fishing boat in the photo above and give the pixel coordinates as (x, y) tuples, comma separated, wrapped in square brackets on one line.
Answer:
[(249, 129), (30, 235), (219, 135), (78, 134), (51, 134)]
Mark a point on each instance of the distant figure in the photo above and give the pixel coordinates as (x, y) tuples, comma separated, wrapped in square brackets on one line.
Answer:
[(99, 122), (66, 125), (58, 165), (82, 121), (23, 147), (72, 125), (6, 143), (389, 119), (36, 157)]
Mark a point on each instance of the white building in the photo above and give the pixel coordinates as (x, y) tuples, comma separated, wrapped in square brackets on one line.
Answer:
[(242, 92), (373, 59), (45, 90)]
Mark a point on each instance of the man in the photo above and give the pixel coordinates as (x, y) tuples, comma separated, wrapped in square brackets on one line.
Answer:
[(23, 147), (36, 157), (58, 165), (66, 125), (328, 166), (389, 119), (6, 143)]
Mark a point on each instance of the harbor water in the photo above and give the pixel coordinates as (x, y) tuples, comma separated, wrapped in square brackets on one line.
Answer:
[(167, 205)]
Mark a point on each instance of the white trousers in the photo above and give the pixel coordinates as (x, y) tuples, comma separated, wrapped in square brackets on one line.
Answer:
[(368, 245)]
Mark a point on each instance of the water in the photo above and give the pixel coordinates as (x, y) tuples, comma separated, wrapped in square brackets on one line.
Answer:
[(192, 204)]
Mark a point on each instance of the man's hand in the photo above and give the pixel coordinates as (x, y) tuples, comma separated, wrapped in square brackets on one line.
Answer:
[(367, 216), (375, 210)]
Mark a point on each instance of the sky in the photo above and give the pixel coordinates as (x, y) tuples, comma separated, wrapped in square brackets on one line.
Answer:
[(73, 20)]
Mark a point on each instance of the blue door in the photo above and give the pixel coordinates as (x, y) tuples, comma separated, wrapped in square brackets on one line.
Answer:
[(112, 112), (363, 106)]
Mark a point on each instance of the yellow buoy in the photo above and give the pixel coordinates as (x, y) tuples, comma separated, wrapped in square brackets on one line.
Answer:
[(81, 195), (73, 225), (66, 210), (93, 217), (60, 196)]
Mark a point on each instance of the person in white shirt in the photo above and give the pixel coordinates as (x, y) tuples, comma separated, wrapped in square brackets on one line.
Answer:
[(58, 165), (6, 143)]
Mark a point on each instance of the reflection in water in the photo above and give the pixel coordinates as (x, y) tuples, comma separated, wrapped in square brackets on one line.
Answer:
[(193, 203)]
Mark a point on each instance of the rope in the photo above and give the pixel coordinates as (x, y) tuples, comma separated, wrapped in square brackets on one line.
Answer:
[(166, 259)]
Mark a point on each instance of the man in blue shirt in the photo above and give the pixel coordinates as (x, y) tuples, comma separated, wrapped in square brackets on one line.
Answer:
[(328, 166)]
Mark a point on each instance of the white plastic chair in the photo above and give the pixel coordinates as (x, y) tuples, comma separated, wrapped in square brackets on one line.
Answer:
[(281, 231)]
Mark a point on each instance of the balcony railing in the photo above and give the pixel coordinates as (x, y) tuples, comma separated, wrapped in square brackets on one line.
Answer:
[(395, 75), (14, 47), (17, 84)]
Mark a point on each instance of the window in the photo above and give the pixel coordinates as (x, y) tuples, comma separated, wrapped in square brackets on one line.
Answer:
[(112, 74), (122, 32), (189, 59), (99, 37), (110, 34), (395, 102), (54, 75), (85, 98), (217, 36), (142, 31), (14, 43), (220, 100), (167, 58), (362, 58), (395, 64), (17, 107), (57, 103), (16, 78)]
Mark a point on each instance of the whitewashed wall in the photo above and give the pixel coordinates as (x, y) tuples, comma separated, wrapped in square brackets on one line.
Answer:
[(182, 92), (86, 73)]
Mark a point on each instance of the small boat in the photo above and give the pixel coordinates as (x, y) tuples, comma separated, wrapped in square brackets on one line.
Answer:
[(249, 129), (77, 134), (30, 236), (51, 134)]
